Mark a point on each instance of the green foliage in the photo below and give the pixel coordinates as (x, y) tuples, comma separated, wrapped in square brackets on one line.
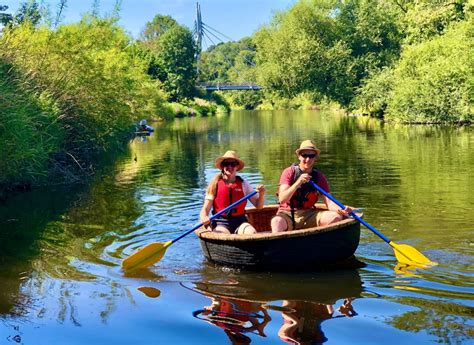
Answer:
[(155, 29), (434, 80), (231, 62), (29, 131), (303, 100), (350, 52), (170, 55), (302, 50), (175, 60), (426, 19), (93, 81), (28, 11), (228, 62), (5, 18), (215, 98), (196, 107), (374, 95), (243, 99), (370, 29)]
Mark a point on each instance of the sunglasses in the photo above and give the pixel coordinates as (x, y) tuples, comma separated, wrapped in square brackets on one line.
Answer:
[(229, 163), (308, 155)]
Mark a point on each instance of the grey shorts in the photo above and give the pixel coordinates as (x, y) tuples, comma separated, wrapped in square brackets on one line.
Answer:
[(231, 223)]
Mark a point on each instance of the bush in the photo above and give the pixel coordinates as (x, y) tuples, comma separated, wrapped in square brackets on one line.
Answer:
[(87, 79), (373, 96), (433, 81), (29, 132)]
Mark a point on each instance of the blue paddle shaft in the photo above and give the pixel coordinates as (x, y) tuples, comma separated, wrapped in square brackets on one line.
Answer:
[(355, 216), (248, 196)]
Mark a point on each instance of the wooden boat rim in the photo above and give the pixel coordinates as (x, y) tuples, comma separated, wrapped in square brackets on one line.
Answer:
[(207, 234)]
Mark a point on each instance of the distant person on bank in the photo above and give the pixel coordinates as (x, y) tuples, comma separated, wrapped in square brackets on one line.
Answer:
[(297, 197), (226, 188)]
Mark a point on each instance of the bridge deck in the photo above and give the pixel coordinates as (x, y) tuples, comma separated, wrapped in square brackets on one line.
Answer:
[(223, 87)]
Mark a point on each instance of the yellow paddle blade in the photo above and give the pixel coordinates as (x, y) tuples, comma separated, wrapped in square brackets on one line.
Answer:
[(145, 256), (408, 255)]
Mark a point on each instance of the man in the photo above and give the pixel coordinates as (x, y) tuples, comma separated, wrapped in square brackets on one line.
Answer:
[(297, 197)]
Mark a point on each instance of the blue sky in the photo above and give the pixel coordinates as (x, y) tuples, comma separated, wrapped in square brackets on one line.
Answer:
[(234, 18)]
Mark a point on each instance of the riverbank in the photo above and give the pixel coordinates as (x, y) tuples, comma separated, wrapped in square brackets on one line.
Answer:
[(70, 96), (403, 63), (42, 147)]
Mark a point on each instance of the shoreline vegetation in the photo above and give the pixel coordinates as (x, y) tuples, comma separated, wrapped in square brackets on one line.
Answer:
[(72, 94)]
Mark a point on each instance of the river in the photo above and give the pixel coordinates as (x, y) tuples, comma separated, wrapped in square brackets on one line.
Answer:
[(61, 247)]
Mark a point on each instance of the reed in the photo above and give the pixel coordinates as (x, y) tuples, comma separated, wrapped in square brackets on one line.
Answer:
[(67, 97)]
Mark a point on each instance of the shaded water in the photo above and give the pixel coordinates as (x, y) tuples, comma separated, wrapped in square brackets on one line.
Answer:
[(61, 248)]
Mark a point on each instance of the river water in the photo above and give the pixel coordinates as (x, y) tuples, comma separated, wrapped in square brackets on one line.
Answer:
[(61, 247)]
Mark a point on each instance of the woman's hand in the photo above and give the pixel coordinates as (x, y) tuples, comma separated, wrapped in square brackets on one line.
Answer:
[(205, 219), (260, 188)]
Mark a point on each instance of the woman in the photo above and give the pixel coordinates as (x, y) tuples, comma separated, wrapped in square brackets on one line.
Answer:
[(226, 188)]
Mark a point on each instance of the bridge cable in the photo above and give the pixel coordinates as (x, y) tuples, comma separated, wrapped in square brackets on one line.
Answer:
[(217, 32), (206, 31)]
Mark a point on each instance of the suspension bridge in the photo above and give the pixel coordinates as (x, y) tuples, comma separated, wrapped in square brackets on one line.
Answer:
[(202, 33)]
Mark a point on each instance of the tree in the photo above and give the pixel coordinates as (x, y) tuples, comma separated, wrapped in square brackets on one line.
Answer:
[(171, 52), (433, 80), (175, 62), (370, 29), (28, 11), (303, 50), (5, 18), (228, 62), (426, 19), (155, 29)]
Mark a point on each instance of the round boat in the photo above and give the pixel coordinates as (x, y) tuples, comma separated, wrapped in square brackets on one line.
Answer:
[(316, 247)]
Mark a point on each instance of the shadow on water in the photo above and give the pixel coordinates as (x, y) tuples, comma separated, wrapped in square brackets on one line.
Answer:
[(23, 221), (240, 305), (321, 286), (57, 233)]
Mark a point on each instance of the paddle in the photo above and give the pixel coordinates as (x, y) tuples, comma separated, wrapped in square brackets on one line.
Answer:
[(153, 252), (404, 253)]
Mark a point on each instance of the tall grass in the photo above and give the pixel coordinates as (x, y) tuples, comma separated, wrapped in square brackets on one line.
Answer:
[(67, 96), (29, 132)]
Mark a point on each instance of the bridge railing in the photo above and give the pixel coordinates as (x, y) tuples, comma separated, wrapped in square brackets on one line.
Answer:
[(228, 86)]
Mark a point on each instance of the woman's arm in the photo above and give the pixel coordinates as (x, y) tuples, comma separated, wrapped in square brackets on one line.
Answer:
[(257, 201), (260, 201), (204, 214)]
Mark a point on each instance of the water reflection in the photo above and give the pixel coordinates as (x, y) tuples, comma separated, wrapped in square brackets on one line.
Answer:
[(302, 320), (22, 223), (447, 321), (60, 249), (320, 286), (241, 304), (236, 317)]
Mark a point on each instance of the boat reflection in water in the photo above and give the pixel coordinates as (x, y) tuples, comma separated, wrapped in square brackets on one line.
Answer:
[(242, 305)]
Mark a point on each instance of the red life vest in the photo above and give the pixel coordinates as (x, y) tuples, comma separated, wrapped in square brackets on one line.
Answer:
[(306, 196), (228, 194)]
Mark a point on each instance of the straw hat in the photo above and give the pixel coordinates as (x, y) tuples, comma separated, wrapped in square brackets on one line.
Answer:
[(308, 145), (230, 155)]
